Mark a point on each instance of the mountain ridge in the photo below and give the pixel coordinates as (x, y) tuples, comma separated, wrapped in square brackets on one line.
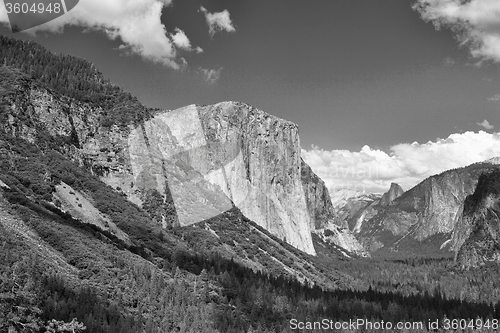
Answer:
[(432, 208)]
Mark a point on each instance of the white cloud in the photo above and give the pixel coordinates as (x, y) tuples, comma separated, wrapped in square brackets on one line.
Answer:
[(476, 23), (486, 124), (218, 21), (373, 170), (448, 62), (180, 40), (135, 23), (494, 98), (211, 75)]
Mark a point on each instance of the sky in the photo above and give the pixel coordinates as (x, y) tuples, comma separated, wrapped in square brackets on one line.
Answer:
[(383, 91)]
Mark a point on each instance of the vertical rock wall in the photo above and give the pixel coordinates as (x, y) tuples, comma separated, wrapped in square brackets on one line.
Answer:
[(211, 157)]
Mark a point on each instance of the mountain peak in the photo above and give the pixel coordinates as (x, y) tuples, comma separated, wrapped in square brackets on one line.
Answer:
[(394, 192)]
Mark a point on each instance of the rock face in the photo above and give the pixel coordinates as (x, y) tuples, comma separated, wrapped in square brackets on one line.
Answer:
[(478, 241), (210, 157), (358, 208), (325, 222), (81, 208), (207, 158), (394, 192), (354, 207), (431, 208), (197, 160), (319, 203), (35, 112)]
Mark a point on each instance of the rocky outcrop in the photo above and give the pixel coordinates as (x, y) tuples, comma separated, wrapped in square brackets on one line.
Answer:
[(35, 112), (436, 203), (80, 207), (319, 203), (353, 209), (359, 210), (394, 192), (207, 158), (478, 241)]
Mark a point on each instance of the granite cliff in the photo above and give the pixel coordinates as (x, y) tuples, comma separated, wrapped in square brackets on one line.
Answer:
[(230, 153), (198, 160), (325, 220), (213, 156)]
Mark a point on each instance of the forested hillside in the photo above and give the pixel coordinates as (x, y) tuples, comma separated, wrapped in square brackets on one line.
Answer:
[(73, 77)]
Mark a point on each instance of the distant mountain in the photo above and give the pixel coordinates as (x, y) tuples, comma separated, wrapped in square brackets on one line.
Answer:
[(342, 196), (394, 192), (423, 219), (356, 208), (351, 207)]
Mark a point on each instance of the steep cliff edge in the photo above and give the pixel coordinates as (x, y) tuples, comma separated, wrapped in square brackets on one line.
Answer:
[(325, 223), (478, 241), (319, 202)]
